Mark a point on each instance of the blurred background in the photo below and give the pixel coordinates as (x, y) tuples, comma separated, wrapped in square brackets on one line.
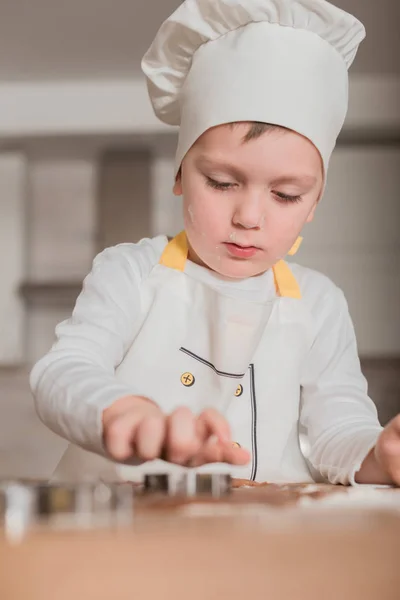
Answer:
[(84, 164)]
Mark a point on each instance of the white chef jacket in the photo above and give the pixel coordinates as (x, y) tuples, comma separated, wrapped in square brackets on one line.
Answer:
[(270, 352)]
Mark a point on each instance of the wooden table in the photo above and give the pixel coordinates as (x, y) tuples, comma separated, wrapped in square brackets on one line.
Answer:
[(243, 547)]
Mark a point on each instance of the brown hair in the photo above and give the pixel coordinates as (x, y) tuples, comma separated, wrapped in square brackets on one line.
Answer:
[(257, 129)]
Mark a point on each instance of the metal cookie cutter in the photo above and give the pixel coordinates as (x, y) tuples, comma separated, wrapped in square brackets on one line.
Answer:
[(17, 509), (163, 483), (64, 506), (207, 484)]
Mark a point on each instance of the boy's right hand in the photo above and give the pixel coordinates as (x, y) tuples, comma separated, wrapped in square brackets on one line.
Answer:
[(136, 427)]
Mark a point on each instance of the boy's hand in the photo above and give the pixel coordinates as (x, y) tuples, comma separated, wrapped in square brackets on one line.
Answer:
[(382, 465), (387, 450), (135, 426)]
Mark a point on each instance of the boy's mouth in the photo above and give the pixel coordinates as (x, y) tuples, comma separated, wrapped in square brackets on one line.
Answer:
[(241, 251)]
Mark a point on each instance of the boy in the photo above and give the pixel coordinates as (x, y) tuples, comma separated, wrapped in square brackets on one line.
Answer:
[(209, 349)]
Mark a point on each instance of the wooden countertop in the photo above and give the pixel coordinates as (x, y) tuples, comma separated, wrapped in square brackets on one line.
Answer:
[(242, 546)]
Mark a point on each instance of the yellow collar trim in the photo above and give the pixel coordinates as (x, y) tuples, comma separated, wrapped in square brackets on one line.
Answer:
[(286, 285), (176, 252), (294, 249)]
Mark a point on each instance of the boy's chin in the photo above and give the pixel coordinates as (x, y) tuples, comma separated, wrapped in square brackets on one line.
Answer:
[(239, 269)]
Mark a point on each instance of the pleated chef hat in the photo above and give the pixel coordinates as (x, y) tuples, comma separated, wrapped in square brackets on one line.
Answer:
[(282, 62)]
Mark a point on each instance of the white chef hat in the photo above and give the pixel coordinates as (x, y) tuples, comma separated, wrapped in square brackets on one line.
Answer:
[(282, 62)]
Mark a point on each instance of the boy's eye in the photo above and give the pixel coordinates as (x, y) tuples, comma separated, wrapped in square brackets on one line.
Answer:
[(219, 185), (287, 198)]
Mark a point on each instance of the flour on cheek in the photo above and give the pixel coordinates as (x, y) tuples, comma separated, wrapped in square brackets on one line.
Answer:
[(192, 218), (218, 253), (191, 214)]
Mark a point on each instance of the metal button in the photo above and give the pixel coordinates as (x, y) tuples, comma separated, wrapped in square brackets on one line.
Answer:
[(239, 390), (188, 379)]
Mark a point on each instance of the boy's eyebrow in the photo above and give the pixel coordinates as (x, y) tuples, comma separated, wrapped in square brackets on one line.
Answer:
[(236, 172), (217, 164), (301, 179)]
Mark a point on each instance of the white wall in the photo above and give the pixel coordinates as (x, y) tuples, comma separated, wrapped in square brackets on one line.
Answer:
[(124, 197), (61, 237), (355, 240), (12, 256), (44, 40), (62, 217), (122, 107), (166, 209)]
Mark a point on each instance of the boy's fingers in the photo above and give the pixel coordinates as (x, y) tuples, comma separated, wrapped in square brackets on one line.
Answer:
[(388, 450), (235, 455), (395, 425), (182, 441), (120, 435), (392, 467), (180, 438), (211, 423), (214, 452), (389, 441), (390, 457), (149, 437)]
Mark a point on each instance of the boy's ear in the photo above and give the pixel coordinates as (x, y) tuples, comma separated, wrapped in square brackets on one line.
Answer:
[(312, 213), (177, 189)]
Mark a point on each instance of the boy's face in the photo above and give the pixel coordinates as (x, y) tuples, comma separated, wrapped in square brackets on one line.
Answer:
[(245, 203)]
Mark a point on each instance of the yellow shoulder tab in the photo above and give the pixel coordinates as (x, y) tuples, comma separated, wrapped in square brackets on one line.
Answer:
[(285, 282), (175, 257), (294, 249), (175, 253)]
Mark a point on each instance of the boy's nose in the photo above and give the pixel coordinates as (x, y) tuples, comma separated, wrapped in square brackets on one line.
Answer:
[(249, 213)]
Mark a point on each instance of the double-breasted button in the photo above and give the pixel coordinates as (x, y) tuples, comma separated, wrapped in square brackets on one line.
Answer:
[(239, 390), (188, 379)]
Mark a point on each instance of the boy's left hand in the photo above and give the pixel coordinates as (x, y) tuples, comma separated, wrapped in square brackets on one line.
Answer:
[(387, 450)]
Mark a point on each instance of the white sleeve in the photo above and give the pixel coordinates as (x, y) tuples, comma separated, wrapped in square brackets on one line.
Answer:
[(340, 418), (75, 381)]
